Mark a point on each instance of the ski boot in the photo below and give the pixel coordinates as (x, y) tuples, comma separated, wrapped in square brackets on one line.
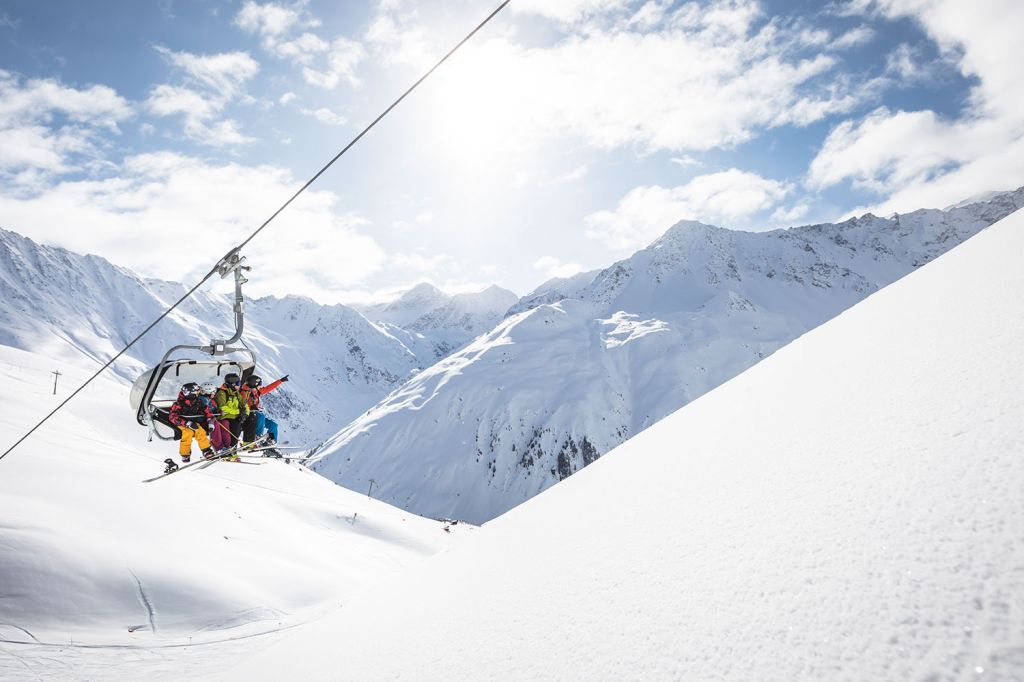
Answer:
[(185, 459), (170, 466), (208, 453), (272, 452)]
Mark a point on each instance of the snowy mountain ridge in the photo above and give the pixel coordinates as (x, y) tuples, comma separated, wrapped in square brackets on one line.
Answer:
[(83, 309), (433, 324), (582, 364)]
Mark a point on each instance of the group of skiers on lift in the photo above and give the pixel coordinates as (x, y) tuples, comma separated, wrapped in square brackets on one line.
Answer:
[(220, 418)]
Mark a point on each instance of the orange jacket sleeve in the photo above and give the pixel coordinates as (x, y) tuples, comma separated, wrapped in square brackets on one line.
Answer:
[(270, 387)]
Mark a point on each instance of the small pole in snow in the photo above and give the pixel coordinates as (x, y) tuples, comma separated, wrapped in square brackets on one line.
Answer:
[(56, 373), (368, 492)]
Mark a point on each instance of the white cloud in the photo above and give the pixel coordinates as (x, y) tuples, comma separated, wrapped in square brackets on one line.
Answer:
[(167, 100), (491, 269), (224, 73), (417, 262), (705, 78), (553, 267), (853, 38), (724, 198), (398, 43), (885, 150), (324, 64), (650, 14), (568, 11), (918, 158), (267, 19), (40, 99), (213, 81), (32, 146), (301, 50), (342, 59), (325, 115), (984, 38), (685, 161), (790, 215), (48, 126), (166, 203), (577, 173), (286, 98), (905, 64)]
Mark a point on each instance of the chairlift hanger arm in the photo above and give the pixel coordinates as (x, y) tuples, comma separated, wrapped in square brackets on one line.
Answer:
[(232, 263)]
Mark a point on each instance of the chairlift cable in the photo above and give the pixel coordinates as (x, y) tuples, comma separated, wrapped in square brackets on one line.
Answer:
[(248, 239)]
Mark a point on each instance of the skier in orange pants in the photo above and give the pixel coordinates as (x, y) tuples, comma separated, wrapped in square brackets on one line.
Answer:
[(191, 415)]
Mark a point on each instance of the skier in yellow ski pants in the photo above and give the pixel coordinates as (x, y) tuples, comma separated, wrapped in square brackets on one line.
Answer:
[(188, 413), (186, 439)]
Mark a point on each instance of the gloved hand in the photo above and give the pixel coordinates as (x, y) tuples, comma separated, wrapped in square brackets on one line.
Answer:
[(190, 424), (284, 378), (210, 426)]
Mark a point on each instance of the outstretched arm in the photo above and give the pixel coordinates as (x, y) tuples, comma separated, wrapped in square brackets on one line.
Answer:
[(272, 385)]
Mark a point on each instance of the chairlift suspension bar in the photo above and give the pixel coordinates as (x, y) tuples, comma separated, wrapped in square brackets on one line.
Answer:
[(234, 264)]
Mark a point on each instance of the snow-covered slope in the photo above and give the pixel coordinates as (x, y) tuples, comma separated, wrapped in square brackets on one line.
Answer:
[(585, 363), (434, 324), (72, 307), (91, 557), (848, 509)]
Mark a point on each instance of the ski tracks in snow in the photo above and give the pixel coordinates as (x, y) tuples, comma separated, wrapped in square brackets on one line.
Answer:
[(144, 598)]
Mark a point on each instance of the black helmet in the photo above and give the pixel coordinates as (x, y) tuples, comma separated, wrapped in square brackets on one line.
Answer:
[(231, 379), (191, 388), (253, 381)]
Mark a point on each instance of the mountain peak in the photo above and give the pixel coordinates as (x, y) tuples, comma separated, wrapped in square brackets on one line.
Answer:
[(688, 229), (422, 290)]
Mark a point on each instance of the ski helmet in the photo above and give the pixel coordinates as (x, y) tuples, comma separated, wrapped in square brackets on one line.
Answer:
[(191, 388), (231, 379), (253, 381), (209, 388)]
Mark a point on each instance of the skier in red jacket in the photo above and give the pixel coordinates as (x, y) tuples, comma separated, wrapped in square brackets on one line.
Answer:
[(258, 421)]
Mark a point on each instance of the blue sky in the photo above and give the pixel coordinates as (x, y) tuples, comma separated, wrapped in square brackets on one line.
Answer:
[(566, 135)]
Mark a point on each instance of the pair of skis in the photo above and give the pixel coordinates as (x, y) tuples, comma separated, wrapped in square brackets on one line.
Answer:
[(173, 467)]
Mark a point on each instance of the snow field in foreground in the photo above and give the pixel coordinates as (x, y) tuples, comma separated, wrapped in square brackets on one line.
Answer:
[(88, 552), (850, 508)]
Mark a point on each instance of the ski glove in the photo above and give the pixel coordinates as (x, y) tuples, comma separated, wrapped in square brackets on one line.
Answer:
[(284, 378), (190, 425)]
